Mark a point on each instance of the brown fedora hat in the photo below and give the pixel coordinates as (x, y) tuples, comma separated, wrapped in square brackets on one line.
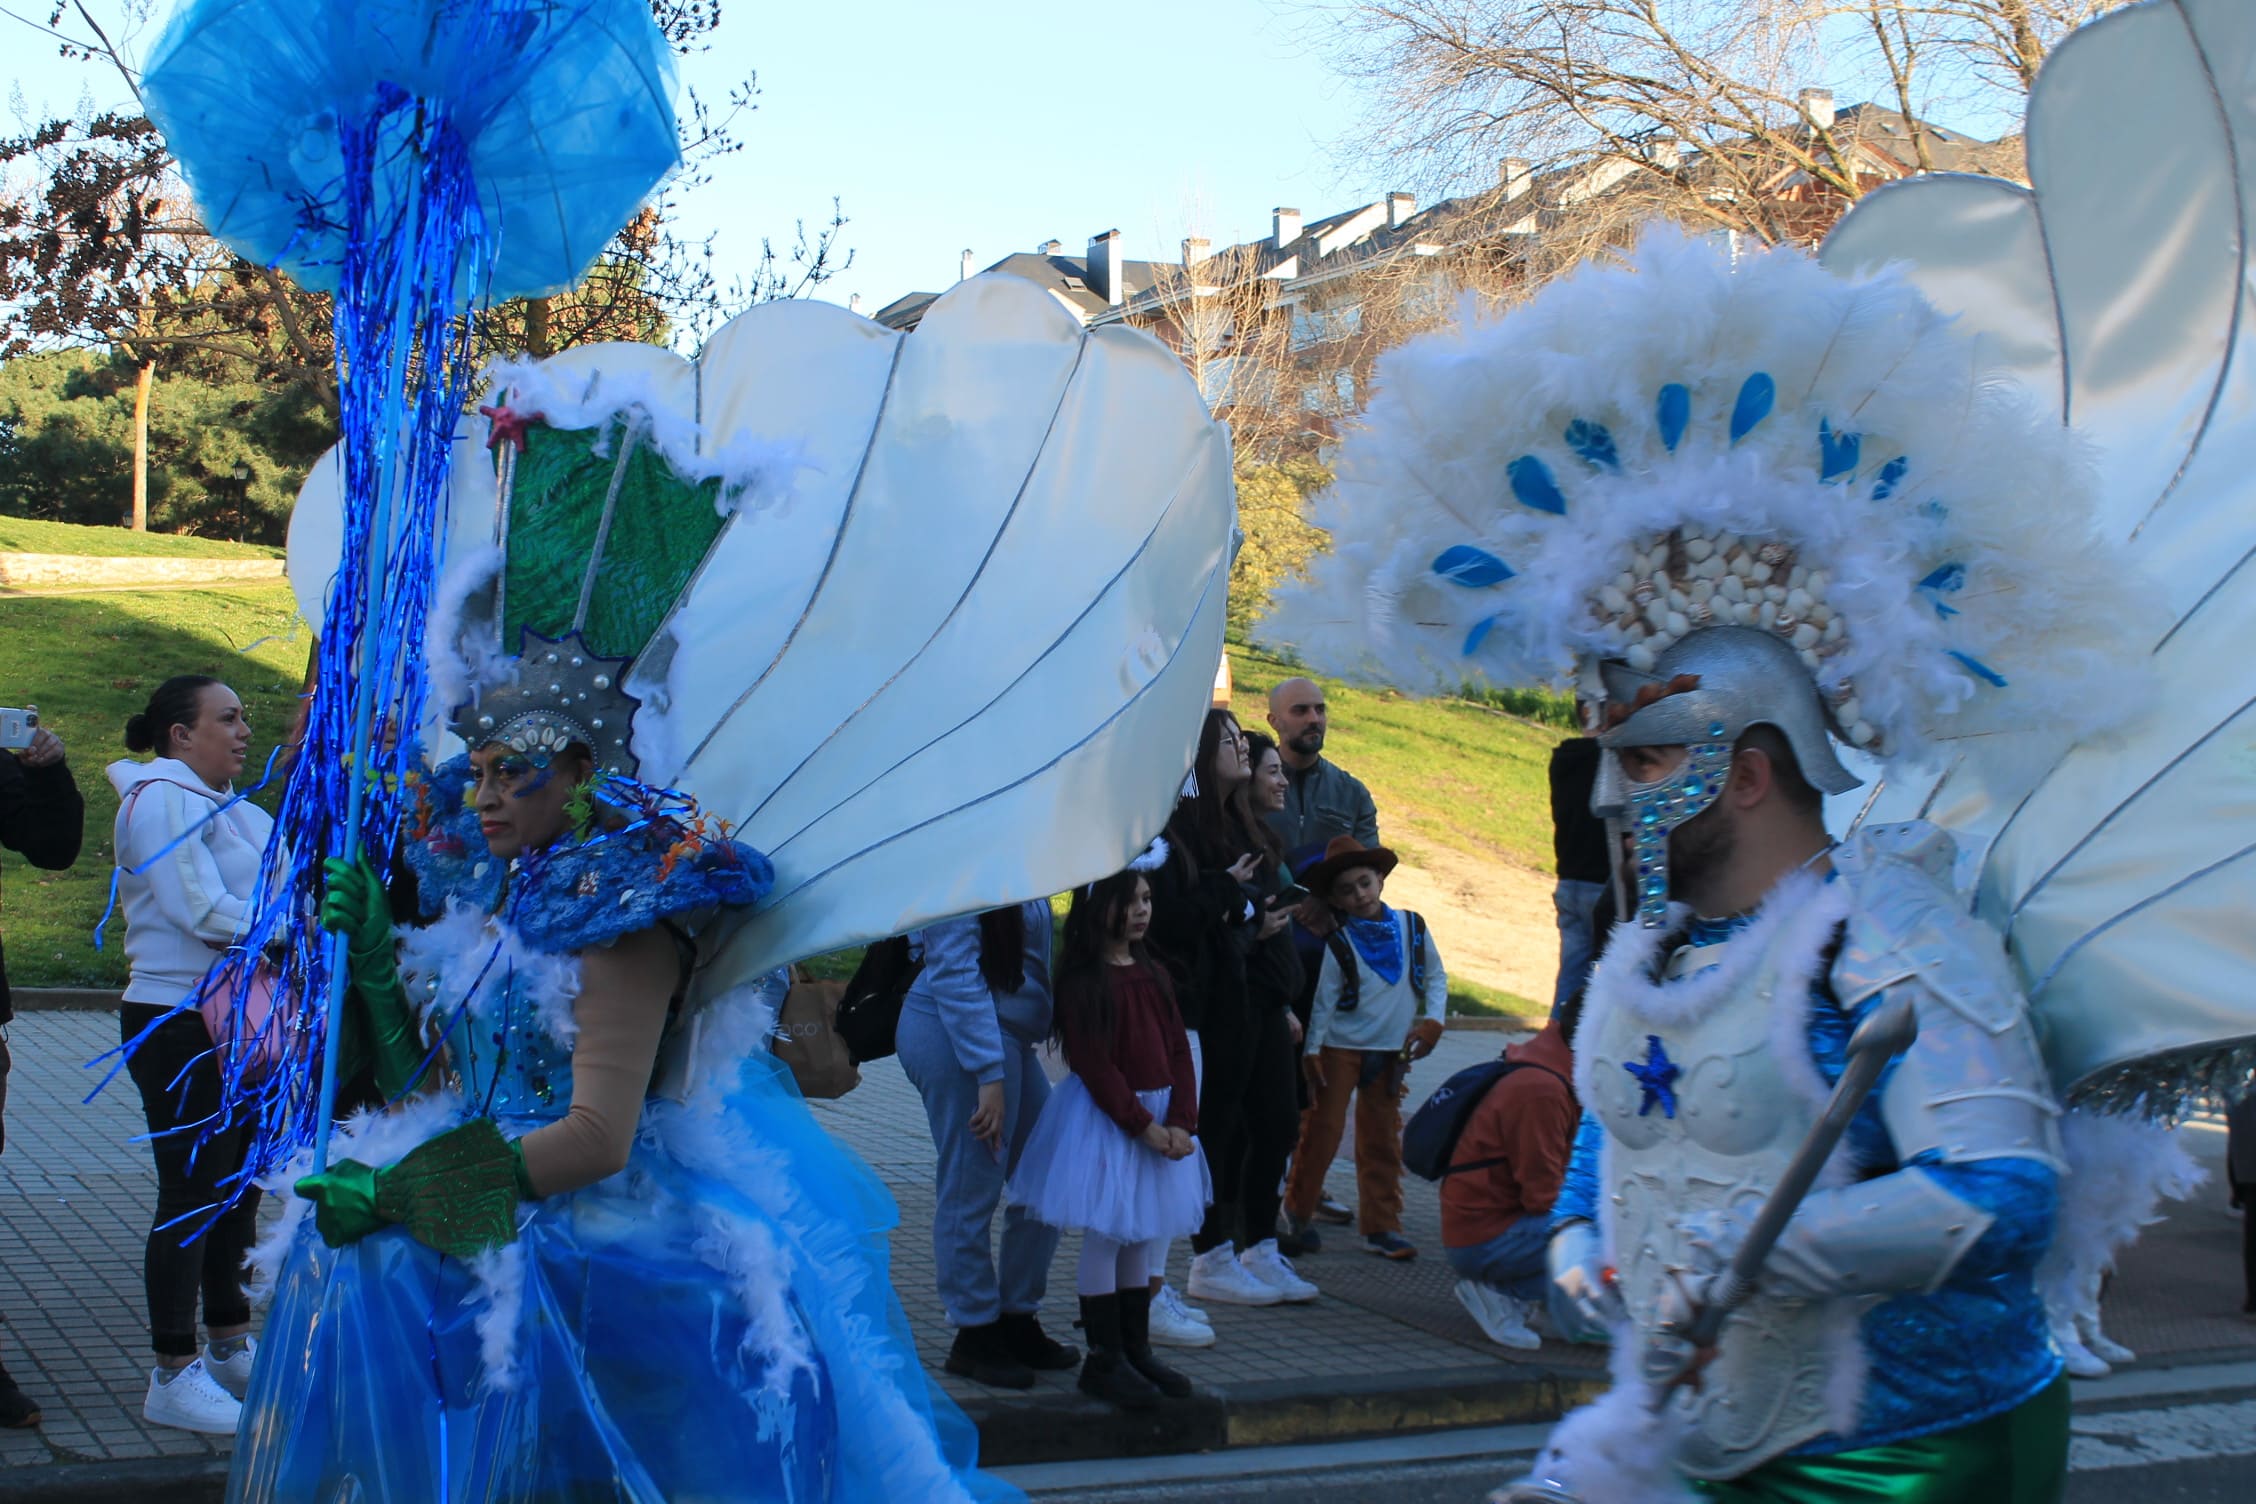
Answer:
[(1343, 854)]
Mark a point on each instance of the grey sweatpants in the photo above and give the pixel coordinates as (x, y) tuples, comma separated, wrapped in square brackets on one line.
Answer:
[(973, 1290)]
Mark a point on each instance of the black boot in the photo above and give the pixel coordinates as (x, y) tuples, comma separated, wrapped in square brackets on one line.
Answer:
[(1023, 1338), (17, 1411), (981, 1355), (1106, 1372), (1135, 1341)]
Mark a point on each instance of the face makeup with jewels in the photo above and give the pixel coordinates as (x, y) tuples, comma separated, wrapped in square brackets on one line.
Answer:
[(522, 807)]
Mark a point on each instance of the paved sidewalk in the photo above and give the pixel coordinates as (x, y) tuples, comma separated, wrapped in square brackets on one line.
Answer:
[(1386, 1349)]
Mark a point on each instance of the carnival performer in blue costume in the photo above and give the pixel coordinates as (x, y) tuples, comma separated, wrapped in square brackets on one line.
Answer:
[(1761, 509), (536, 1277)]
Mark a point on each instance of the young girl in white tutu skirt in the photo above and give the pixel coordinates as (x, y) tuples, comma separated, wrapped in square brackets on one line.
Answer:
[(1113, 1154)]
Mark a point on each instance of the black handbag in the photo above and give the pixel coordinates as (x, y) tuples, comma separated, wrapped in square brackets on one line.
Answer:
[(870, 1012)]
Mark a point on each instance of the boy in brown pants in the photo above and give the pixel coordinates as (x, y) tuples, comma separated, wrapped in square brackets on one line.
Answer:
[(1380, 1001)]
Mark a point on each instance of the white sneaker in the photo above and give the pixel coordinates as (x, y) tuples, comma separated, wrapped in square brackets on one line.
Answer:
[(1196, 1313), (233, 1374), (1172, 1324), (1217, 1275), (2103, 1347), (1501, 1318), (1273, 1269), (191, 1400)]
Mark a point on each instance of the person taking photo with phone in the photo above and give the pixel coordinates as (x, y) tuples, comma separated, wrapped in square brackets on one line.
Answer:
[(43, 820)]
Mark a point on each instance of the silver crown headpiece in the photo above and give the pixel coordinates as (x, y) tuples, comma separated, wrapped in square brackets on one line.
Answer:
[(563, 692)]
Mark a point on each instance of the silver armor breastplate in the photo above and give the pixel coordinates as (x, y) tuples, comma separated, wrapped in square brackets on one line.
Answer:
[(1739, 1115)]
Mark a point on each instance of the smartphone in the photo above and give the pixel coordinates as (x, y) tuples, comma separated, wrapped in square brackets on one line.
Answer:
[(17, 726), (1292, 896)]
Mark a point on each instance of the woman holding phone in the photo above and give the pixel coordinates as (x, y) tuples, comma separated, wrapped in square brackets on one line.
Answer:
[(1215, 924)]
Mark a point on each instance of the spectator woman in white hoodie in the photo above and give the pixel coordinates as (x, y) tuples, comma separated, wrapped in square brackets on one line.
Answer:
[(188, 854)]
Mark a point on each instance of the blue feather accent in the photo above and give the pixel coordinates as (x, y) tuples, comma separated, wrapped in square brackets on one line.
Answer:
[(1479, 634), (1594, 444), (1473, 568), (1890, 475), (1534, 486), (1948, 578), (1979, 669), (1837, 452), (1673, 412), (1756, 395)]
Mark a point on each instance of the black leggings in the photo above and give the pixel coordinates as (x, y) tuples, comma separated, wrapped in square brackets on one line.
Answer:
[(1249, 1118), (181, 1263)]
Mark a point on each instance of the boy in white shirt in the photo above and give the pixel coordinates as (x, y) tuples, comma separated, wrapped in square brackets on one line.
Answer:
[(1380, 1001)]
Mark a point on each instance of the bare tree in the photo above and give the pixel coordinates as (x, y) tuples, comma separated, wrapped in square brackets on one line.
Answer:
[(1704, 107)]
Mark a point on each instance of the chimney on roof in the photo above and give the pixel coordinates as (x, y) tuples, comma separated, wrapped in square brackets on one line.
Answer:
[(1107, 268), (1666, 152), (1050, 247), (963, 271), (1817, 107), (1400, 206), (1513, 175), (1195, 251), (1288, 226), (854, 303)]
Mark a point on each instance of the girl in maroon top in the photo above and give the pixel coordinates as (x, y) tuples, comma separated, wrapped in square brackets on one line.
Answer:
[(1113, 1153)]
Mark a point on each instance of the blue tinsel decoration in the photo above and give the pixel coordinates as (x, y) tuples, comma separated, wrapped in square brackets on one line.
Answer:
[(416, 158)]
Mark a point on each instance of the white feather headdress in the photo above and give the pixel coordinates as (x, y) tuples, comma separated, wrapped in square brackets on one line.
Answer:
[(1693, 438)]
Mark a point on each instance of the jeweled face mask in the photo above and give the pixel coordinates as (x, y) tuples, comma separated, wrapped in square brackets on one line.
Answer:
[(1653, 811)]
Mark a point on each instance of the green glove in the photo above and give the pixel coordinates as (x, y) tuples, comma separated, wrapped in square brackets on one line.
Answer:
[(354, 905), (457, 1193)]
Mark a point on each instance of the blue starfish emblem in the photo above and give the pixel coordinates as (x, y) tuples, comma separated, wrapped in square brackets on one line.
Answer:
[(1656, 1077)]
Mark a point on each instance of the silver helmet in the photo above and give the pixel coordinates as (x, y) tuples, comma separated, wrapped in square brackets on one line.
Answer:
[(1746, 677)]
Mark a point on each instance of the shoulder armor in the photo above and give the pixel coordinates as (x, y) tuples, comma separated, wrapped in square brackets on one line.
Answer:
[(1973, 1085)]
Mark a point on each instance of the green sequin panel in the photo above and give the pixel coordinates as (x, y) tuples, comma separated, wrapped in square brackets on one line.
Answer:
[(457, 1192), (660, 532)]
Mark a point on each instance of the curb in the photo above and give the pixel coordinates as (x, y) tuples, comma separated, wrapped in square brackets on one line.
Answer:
[(64, 1000), (1019, 1432), (176, 1480), (1070, 1428)]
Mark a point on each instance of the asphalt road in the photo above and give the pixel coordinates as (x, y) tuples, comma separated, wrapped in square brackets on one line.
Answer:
[(2194, 1446)]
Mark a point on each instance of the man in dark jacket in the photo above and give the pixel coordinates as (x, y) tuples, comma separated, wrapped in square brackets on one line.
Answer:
[(1322, 800), (1578, 847), (43, 818)]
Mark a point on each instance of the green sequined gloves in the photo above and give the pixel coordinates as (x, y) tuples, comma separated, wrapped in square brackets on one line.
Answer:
[(354, 905), (457, 1193)]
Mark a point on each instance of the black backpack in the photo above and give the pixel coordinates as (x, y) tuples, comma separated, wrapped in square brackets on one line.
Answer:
[(870, 1012), (1430, 1137), (1351, 979)]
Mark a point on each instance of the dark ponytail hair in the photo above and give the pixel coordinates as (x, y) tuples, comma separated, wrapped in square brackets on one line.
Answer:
[(177, 702), (1002, 949)]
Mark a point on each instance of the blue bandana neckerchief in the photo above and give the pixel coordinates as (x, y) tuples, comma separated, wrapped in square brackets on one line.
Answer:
[(1379, 942)]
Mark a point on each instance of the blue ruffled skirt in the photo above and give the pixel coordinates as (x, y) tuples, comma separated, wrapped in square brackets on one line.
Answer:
[(716, 1323)]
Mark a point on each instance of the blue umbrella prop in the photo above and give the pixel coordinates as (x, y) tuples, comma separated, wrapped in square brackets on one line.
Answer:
[(417, 159)]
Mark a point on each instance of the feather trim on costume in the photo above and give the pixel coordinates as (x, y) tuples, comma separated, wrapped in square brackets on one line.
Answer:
[(1698, 438), (1618, 1449), (2120, 1170), (748, 467)]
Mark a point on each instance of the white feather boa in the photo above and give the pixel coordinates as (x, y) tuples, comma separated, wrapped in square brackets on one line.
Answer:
[(1990, 487), (2120, 1170)]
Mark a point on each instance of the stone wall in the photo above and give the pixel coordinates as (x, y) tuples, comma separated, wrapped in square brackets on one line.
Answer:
[(92, 572)]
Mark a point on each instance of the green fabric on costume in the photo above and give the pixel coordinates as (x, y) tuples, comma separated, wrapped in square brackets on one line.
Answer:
[(660, 529), (2019, 1457), (457, 1193), (344, 1202), (353, 904)]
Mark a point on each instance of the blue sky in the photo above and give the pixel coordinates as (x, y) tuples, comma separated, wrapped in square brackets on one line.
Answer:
[(987, 124), (997, 124), (991, 125)]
